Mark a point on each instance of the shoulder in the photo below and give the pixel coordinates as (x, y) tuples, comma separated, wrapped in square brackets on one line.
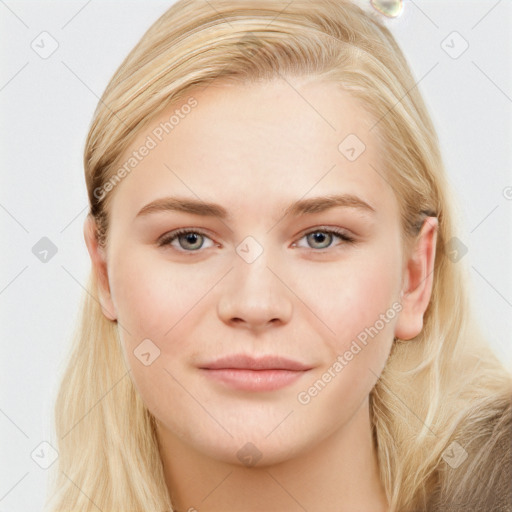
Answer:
[(476, 470)]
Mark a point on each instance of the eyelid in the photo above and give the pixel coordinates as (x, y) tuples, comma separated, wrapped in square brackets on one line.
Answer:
[(334, 229)]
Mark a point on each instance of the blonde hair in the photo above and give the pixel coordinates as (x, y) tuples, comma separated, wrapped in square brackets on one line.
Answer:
[(434, 389)]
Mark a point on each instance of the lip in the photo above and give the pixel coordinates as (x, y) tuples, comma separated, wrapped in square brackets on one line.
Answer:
[(246, 373)]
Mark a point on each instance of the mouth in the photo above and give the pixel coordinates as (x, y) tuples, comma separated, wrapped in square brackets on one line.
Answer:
[(247, 373)]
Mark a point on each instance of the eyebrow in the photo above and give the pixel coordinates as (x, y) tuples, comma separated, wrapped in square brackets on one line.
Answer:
[(300, 207)]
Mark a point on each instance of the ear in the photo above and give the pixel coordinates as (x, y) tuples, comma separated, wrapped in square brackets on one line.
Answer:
[(99, 266), (417, 281)]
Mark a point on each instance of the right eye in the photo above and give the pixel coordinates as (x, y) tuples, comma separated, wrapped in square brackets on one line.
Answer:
[(185, 240)]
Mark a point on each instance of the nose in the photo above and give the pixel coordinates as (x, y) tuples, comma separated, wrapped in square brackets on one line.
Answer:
[(254, 297)]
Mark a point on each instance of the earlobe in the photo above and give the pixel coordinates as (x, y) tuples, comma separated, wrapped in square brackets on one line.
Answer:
[(417, 281), (99, 266)]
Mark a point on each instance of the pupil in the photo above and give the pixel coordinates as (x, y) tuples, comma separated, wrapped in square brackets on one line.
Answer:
[(320, 238), (191, 238)]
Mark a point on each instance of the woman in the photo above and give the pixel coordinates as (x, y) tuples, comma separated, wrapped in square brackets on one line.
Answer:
[(275, 322)]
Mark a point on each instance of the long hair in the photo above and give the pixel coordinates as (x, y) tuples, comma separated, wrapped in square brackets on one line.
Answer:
[(437, 388)]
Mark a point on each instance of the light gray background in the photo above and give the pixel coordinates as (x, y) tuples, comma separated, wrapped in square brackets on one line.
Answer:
[(47, 104)]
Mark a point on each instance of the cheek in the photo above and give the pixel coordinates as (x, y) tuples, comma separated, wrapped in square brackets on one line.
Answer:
[(349, 296), (160, 306), (368, 293), (155, 302), (152, 296), (360, 304)]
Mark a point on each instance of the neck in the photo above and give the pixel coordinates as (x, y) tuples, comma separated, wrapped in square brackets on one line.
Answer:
[(339, 473)]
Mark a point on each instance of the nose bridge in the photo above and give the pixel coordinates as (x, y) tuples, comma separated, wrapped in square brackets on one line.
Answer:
[(255, 297)]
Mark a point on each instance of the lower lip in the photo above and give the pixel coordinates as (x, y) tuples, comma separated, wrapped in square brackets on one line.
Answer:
[(255, 380)]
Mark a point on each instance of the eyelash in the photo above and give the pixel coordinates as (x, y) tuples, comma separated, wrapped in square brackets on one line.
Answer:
[(174, 235)]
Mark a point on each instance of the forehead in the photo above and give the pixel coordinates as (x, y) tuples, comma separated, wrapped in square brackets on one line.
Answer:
[(246, 144)]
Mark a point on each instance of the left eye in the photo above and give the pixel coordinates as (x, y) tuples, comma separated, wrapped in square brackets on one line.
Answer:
[(324, 238)]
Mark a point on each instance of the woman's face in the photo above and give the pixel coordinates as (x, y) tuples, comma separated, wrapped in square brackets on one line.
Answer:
[(269, 322)]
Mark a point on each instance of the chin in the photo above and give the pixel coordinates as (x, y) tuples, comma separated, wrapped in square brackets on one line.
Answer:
[(257, 450)]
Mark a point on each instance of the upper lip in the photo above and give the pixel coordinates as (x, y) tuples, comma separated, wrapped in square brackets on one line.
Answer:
[(246, 362)]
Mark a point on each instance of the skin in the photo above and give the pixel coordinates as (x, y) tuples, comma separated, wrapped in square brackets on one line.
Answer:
[(254, 149)]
